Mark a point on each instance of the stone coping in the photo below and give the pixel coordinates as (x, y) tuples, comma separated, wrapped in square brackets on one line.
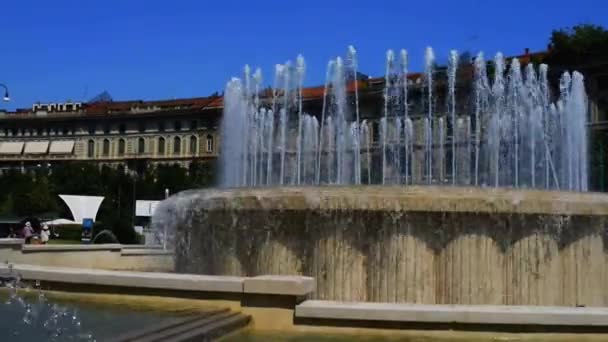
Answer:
[(142, 247), (127, 250), (460, 314), (399, 198), (11, 242), (276, 284), (134, 252), (284, 285), (70, 248)]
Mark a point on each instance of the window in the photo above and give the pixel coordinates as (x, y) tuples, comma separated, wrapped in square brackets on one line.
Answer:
[(122, 128), (193, 147), (91, 149), (91, 129), (177, 125), (48, 131), (39, 131), (106, 147), (13, 131), (66, 131), (56, 130), (193, 125), (6, 131), (121, 147), (161, 146), (142, 126), (106, 129), (141, 146), (209, 143), (161, 126), (177, 145)]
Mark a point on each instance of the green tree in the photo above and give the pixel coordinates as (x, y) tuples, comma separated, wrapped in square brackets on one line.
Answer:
[(577, 45)]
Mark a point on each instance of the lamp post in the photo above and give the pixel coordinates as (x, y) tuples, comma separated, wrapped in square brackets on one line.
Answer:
[(165, 225), (6, 97)]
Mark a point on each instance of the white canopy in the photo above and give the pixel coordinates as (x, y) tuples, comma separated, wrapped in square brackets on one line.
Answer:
[(36, 147), (11, 148), (62, 147), (82, 206), (60, 221)]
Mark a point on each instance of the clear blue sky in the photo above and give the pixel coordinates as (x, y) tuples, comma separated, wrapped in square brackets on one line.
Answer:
[(135, 49)]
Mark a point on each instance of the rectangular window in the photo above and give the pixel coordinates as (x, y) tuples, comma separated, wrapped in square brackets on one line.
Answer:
[(209, 143)]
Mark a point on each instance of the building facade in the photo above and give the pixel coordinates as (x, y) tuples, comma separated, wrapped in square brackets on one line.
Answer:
[(134, 134)]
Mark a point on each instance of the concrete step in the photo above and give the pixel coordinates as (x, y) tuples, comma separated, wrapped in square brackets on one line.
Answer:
[(209, 325)]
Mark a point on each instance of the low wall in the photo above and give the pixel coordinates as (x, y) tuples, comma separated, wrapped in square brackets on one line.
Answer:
[(278, 303), (428, 245), (270, 300), (105, 256)]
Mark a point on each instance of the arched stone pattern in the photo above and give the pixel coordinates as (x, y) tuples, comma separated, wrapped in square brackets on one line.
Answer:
[(583, 272), (338, 259), (470, 271), (400, 264), (532, 266)]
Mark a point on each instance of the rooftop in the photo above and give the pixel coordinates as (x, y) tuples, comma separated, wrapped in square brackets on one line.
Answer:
[(106, 108)]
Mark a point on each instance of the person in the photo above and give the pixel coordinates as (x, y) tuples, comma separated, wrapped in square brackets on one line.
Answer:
[(12, 234), (28, 232), (45, 234)]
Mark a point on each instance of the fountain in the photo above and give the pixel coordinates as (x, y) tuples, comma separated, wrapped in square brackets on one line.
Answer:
[(426, 197)]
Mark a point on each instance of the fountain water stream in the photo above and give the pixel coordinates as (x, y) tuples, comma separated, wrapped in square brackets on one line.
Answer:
[(513, 135)]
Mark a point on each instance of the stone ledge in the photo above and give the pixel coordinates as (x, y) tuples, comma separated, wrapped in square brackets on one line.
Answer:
[(400, 198), (153, 247), (11, 242), (70, 248), (279, 285), (459, 314), (271, 285), (149, 280), (137, 252)]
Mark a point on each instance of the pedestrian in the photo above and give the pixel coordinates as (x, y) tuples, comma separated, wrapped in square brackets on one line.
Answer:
[(28, 232), (45, 234)]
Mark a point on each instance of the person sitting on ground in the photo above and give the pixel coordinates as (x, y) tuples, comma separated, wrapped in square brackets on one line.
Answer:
[(45, 234)]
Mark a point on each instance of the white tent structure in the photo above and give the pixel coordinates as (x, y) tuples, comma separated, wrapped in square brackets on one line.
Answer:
[(60, 222), (83, 207)]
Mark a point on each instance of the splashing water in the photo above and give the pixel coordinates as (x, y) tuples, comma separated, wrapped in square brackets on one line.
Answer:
[(512, 136)]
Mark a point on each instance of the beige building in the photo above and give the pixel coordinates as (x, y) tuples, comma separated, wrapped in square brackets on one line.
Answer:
[(136, 134)]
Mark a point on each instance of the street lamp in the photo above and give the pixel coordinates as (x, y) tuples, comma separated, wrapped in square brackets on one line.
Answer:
[(6, 97), (165, 228)]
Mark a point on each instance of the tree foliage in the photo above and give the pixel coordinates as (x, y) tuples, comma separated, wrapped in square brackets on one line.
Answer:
[(580, 44), (34, 193)]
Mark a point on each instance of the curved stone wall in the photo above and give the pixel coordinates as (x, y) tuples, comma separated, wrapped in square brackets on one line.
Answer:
[(393, 244)]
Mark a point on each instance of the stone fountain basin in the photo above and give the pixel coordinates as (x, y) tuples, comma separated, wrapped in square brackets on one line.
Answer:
[(431, 245)]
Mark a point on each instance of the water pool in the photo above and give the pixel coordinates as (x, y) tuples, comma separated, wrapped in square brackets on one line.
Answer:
[(36, 316)]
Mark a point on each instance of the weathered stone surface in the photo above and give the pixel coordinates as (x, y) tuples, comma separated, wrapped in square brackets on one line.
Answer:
[(150, 280), (428, 245), (464, 314), (103, 256), (279, 285)]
